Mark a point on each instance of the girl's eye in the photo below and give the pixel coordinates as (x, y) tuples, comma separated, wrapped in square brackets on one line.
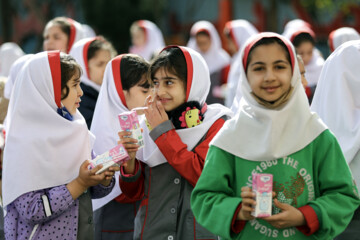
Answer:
[(169, 83), (145, 91), (155, 82), (280, 67), (257, 69)]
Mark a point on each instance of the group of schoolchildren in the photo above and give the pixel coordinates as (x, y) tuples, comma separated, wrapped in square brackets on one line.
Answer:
[(193, 177)]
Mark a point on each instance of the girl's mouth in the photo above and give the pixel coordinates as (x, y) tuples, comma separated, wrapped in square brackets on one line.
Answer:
[(271, 89)]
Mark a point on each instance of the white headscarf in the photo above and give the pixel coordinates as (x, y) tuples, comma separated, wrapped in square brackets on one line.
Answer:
[(80, 51), (76, 33), (154, 40), (198, 85), (9, 53), (240, 31), (216, 57), (14, 72), (258, 133), (105, 124), (88, 31), (296, 24), (337, 99), (43, 149), (313, 68), (341, 35)]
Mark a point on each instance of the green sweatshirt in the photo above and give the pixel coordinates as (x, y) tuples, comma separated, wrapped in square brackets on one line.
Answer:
[(317, 175)]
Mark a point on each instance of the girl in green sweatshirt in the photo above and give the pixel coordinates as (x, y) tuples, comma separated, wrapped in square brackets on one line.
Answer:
[(274, 132)]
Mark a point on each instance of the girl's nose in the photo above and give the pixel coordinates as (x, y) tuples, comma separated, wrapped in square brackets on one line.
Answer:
[(80, 91), (269, 75), (159, 90)]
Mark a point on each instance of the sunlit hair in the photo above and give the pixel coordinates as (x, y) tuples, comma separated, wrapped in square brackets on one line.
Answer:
[(69, 67), (135, 67), (173, 61), (268, 41)]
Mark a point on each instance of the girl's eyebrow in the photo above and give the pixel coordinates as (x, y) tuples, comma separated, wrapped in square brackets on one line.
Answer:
[(165, 78), (278, 61), (77, 80)]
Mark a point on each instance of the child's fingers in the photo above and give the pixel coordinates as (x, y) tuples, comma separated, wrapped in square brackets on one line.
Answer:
[(95, 169), (123, 134), (247, 194), (160, 107)]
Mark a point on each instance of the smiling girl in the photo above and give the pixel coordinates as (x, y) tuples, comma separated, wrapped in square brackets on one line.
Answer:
[(274, 132), (174, 152), (48, 196)]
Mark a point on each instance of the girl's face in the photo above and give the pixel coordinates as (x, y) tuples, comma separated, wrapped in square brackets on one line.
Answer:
[(138, 37), (231, 46), (269, 72), (203, 42), (305, 50), (136, 95), (72, 101), (302, 72), (97, 65), (55, 39), (169, 88)]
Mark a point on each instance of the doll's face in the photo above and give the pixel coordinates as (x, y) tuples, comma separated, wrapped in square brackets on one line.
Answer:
[(269, 72), (305, 50), (192, 118), (72, 101), (55, 38), (97, 65), (169, 88)]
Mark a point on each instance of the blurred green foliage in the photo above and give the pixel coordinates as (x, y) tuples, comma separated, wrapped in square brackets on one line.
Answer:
[(331, 6)]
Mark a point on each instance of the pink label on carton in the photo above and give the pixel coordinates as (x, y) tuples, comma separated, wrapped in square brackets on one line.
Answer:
[(116, 155), (262, 186), (129, 121)]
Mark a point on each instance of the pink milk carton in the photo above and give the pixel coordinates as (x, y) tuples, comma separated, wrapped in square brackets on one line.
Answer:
[(129, 121), (262, 185), (116, 155)]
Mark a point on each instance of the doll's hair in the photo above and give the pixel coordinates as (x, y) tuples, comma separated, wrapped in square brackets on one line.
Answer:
[(301, 38), (173, 61), (268, 41), (134, 67), (69, 67), (62, 22), (100, 43)]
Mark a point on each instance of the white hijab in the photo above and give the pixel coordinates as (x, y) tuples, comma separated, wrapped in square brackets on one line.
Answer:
[(79, 51), (88, 31), (9, 53), (105, 124), (240, 31), (198, 85), (14, 72), (76, 33), (43, 149), (216, 57), (337, 99), (154, 40), (313, 68), (341, 35), (257, 133)]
